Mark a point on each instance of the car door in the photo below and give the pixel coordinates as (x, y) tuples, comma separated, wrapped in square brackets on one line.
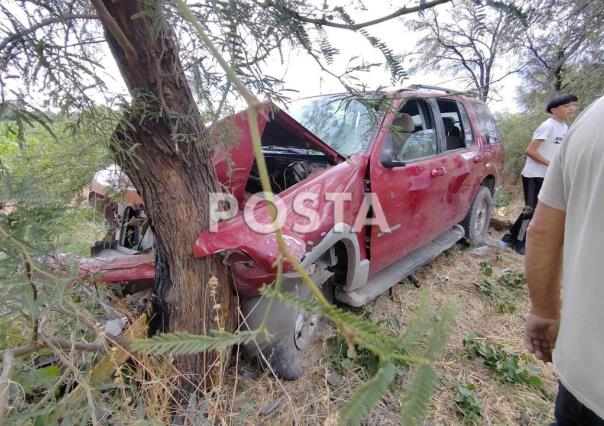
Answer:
[(411, 189), (464, 160)]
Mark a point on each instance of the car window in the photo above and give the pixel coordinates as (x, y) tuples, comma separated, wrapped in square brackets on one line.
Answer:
[(419, 141), (452, 123), (487, 124)]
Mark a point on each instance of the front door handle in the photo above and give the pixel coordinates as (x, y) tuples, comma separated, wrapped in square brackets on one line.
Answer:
[(438, 172)]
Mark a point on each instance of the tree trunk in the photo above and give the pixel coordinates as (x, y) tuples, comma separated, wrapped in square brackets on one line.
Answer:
[(160, 145)]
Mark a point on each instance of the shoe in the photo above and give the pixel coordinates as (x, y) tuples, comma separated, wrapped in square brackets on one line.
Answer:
[(508, 239), (519, 248)]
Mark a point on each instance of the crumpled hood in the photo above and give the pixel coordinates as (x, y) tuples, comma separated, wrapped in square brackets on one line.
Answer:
[(235, 235), (233, 162)]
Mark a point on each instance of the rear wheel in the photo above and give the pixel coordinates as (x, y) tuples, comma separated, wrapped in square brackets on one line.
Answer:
[(476, 222)]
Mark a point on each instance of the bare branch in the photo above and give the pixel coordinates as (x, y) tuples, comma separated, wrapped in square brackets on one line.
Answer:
[(114, 28), (324, 22)]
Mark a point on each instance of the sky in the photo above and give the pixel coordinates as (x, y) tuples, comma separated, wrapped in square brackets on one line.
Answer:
[(301, 73)]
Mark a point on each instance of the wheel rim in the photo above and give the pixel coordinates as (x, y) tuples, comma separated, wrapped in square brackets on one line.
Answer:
[(481, 217), (306, 325)]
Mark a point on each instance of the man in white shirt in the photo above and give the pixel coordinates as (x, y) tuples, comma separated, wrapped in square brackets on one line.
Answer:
[(544, 145), (564, 245)]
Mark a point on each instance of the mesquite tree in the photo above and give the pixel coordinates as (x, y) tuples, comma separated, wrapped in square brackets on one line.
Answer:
[(51, 58)]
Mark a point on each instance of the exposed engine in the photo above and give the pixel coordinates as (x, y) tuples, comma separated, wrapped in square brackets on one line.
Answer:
[(285, 170)]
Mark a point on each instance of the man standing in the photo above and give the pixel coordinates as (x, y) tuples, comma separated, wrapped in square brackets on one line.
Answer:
[(544, 145), (565, 245)]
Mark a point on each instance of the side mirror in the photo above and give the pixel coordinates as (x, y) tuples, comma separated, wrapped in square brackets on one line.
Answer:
[(387, 155)]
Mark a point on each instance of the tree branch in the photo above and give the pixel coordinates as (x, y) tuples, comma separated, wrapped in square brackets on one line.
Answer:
[(55, 20), (324, 22), (116, 32)]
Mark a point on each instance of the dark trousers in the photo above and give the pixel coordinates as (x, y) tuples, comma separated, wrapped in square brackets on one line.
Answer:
[(531, 187), (570, 412)]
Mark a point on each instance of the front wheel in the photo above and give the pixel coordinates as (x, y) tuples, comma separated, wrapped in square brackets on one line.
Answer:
[(292, 330), (286, 354), (476, 222)]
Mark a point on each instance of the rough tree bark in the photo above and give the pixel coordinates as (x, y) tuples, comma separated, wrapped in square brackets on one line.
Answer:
[(159, 144)]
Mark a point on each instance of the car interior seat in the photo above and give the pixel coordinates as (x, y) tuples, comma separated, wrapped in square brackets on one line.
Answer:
[(403, 127), (452, 134)]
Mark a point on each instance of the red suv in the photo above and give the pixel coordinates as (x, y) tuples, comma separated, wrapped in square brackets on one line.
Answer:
[(368, 190)]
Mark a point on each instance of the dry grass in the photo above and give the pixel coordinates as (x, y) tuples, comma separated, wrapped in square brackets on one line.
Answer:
[(452, 276)]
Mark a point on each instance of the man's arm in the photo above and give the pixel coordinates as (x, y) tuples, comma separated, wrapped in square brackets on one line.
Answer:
[(532, 151), (543, 265)]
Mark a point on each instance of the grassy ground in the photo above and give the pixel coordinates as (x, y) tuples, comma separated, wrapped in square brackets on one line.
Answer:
[(497, 317)]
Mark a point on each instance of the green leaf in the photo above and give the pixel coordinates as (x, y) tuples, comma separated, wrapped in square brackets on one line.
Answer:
[(367, 396), (414, 404), (181, 343), (419, 323), (442, 330)]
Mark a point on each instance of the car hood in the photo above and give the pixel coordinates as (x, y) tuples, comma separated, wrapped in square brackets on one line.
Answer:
[(233, 161)]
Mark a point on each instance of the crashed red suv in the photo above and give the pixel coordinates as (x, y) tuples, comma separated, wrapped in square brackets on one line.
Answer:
[(368, 189)]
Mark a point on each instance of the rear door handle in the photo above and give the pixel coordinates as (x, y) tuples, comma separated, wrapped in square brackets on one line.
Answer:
[(438, 172), (478, 158)]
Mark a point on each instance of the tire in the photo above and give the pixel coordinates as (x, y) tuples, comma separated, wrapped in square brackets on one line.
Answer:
[(476, 222), (287, 353)]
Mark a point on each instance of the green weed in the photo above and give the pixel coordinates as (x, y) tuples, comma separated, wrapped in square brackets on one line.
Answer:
[(507, 365), (467, 402)]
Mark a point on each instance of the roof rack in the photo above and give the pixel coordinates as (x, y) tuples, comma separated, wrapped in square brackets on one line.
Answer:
[(442, 89)]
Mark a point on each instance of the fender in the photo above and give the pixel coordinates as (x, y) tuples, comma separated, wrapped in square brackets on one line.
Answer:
[(357, 270)]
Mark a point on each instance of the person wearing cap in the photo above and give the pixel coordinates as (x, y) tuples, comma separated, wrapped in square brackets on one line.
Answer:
[(541, 150)]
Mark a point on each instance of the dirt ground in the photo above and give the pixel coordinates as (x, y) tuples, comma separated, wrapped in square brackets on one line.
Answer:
[(255, 397)]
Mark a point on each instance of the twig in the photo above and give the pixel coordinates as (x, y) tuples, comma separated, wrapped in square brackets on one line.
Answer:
[(46, 342), (7, 371)]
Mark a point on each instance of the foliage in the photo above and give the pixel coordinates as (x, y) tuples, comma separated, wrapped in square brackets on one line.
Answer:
[(469, 43), (468, 403), (182, 343), (44, 169), (503, 291), (414, 404), (422, 341), (561, 38), (501, 199), (368, 395), (507, 365), (516, 132)]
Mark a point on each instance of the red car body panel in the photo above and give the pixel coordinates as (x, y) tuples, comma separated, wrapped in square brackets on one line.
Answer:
[(139, 267), (258, 266), (419, 200)]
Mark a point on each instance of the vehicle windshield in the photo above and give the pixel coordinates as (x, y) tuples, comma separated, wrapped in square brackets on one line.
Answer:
[(342, 122)]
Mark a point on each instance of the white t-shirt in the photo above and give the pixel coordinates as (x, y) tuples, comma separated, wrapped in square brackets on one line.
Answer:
[(552, 133), (574, 183)]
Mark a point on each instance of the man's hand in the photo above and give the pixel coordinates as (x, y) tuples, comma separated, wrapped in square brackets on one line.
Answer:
[(540, 336)]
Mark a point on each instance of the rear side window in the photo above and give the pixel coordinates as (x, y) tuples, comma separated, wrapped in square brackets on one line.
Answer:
[(486, 123), (453, 123)]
